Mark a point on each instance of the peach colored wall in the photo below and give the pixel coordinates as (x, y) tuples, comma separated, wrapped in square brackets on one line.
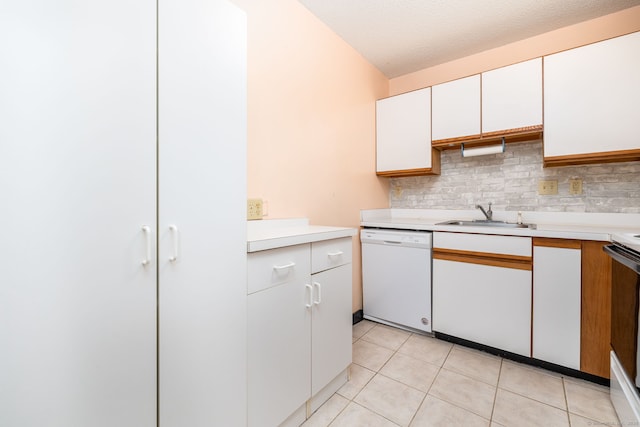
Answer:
[(608, 26), (311, 118)]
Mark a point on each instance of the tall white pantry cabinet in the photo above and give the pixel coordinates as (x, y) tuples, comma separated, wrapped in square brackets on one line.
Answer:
[(122, 180)]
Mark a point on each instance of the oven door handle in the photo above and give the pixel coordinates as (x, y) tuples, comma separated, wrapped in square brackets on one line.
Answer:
[(624, 258)]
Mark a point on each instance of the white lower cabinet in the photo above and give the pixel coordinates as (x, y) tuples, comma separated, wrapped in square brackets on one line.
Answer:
[(482, 292), (279, 351), (331, 325), (557, 302), (299, 329)]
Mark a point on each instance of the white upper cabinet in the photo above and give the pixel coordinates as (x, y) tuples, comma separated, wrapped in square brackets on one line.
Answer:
[(403, 135), (512, 97), (456, 108), (591, 98)]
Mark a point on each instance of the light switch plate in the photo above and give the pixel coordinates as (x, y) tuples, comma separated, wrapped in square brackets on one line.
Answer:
[(254, 209)]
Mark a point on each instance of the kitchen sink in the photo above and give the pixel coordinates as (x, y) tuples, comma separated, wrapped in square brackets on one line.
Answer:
[(486, 223)]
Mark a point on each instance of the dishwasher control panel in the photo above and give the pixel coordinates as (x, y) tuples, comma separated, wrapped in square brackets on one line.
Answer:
[(420, 239)]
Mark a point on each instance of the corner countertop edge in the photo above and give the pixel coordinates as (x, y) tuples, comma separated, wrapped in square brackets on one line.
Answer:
[(265, 236)]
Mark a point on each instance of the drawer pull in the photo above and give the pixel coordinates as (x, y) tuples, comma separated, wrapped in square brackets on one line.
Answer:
[(310, 289), (279, 268), (334, 254)]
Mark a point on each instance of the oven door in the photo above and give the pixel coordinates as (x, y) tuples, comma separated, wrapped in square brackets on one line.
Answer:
[(625, 271)]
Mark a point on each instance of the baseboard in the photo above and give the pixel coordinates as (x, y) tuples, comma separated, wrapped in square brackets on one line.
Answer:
[(357, 316), (523, 359)]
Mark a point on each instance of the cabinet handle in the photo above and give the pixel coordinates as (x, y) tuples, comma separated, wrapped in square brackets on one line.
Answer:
[(174, 232), (310, 289), (279, 268), (146, 230), (319, 288), (333, 254)]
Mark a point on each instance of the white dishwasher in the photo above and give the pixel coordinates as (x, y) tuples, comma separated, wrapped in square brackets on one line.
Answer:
[(396, 277)]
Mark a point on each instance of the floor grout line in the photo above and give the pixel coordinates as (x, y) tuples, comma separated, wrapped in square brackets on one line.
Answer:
[(495, 395), (566, 401), (440, 367)]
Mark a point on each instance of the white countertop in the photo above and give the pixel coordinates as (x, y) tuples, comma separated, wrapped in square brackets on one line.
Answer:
[(564, 225), (277, 233)]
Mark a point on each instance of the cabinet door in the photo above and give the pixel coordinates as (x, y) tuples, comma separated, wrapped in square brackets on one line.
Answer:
[(590, 99), (279, 352), (512, 97), (456, 108), (202, 142), (331, 325), (403, 132), (77, 178), (595, 325), (484, 304), (556, 305)]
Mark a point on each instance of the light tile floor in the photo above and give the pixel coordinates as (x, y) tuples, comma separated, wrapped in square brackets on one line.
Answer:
[(404, 379)]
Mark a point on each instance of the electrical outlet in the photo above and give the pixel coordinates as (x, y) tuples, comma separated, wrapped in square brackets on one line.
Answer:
[(397, 191), (548, 187), (254, 209), (575, 186)]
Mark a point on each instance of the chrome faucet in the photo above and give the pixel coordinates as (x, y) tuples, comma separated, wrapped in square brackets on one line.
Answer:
[(488, 213)]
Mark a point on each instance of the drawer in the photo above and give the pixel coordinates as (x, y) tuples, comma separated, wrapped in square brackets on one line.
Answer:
[(487, 243), (332, 253), (278, 266)]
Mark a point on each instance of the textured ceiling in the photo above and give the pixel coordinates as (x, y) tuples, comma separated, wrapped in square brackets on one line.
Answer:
[(402, 36)]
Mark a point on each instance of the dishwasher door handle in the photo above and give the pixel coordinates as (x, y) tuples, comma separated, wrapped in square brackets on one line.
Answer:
[(392, 242)]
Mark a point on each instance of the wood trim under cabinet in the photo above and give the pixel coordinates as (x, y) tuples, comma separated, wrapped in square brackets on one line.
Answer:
[(595, 322), (588, 158), (449, 143), (407, 172), (525, 132), (484, 258), (557, 243), (433, 170), (528, 133)]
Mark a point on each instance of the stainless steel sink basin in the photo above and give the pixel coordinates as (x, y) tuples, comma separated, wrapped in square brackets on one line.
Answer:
[(486, 223)]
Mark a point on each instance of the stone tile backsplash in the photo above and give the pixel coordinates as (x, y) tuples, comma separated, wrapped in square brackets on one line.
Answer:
[(510, 181)]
